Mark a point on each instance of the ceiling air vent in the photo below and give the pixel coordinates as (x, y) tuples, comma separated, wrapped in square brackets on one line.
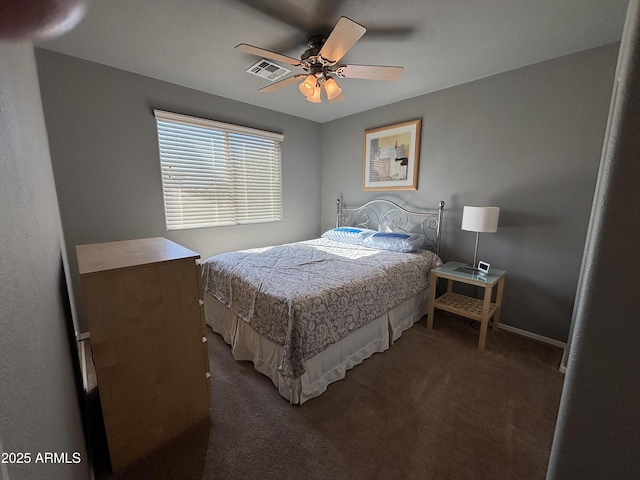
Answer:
[(266, 69)]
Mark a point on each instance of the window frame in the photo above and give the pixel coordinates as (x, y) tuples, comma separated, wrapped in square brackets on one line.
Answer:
[(233, 178)]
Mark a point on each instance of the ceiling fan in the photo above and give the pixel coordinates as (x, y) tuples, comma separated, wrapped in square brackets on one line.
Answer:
[(320, 62)]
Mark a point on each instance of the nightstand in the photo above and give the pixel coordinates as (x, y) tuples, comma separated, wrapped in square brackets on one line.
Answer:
[(463, 305)]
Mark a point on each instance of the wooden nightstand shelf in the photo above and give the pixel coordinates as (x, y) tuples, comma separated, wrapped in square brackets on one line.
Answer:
[(465, 306)]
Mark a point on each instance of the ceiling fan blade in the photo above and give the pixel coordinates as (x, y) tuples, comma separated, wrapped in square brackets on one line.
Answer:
[(369, 72), (282, 83), (261, 52), (298, 15), (343, 36)]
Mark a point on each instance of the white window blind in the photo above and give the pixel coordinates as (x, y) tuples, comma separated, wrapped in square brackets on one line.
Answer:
[(216, 174)]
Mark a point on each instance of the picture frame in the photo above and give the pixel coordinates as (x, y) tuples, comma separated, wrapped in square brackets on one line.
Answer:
[(391, 156)]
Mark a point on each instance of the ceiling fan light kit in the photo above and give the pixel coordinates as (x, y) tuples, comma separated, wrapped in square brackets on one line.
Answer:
[(332, 88), (308, 85), (315, 98), (320, 62)]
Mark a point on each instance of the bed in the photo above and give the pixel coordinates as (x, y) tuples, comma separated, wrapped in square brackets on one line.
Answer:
[(306, 312)]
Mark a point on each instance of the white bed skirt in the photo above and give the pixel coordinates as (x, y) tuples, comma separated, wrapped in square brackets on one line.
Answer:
[(326, 367)]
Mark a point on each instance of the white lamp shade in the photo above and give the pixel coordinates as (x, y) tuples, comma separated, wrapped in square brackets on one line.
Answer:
[(480, 219)]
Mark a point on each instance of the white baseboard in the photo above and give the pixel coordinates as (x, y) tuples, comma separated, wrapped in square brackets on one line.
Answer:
[(535, 336)]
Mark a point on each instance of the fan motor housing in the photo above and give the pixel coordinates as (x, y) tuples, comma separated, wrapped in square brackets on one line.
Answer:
[(315, 45)]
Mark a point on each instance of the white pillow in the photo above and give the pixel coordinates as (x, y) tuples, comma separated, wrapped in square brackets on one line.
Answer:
[(352, 235), (397, 242)]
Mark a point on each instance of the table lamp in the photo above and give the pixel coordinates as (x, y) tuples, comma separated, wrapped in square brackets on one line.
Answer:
[(479, 220)]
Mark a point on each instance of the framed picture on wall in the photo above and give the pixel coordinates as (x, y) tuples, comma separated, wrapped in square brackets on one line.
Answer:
[(391, 156)]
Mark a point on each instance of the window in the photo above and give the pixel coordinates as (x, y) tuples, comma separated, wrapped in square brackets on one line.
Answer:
[(216, 174)]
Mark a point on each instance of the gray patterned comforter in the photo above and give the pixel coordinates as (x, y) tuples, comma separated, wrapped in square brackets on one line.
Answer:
[(307, 295)]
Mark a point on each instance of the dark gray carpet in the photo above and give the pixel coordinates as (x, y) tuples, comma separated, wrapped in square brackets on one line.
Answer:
[(431, 407)]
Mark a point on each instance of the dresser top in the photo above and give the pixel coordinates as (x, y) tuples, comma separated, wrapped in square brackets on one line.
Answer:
[(98, 257)]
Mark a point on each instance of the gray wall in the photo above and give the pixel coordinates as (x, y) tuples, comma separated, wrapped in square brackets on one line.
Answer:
[(39, 407), (103, 142), (598, 430), (528, 141)]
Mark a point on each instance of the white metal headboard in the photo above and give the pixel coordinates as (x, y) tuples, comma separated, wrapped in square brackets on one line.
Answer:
[(386, 216)]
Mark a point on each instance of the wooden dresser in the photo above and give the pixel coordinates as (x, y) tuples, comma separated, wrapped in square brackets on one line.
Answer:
[(143, 302)]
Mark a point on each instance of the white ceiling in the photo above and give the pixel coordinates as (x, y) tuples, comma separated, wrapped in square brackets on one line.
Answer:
[(440, 43)]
